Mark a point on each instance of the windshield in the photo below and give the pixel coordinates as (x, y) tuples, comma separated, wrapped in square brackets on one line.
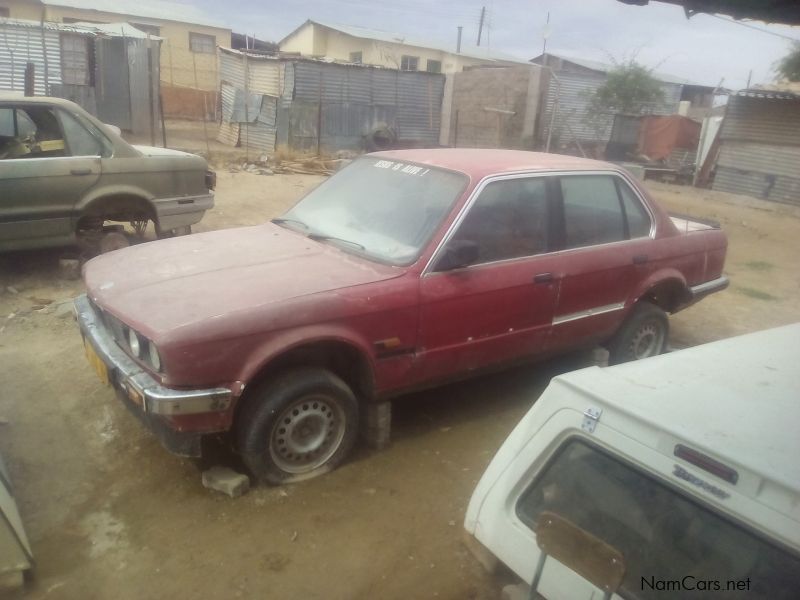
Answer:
[(385, 209)]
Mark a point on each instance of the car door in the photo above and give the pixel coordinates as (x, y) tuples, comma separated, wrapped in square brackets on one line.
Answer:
[(500, 307), (603, 250), (47, 161)]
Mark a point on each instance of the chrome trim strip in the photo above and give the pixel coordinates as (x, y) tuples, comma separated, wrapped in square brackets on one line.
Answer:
[(591, 312), (529, 174), (709, 287), (125, 374)]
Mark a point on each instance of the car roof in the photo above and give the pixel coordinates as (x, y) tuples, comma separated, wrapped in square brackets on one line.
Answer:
[(35, 99), (738, 398), (482, 162)]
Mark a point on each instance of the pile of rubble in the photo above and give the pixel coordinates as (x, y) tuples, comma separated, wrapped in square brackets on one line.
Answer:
[(306, 165)]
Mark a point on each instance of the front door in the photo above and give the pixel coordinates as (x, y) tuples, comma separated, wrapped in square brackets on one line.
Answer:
[(500, 307)]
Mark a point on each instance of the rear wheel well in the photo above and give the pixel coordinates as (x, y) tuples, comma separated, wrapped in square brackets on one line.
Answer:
[(340, 358), (119, 207), (668, 295)]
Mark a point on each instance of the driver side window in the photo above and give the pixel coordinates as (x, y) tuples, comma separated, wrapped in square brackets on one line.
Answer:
[(508, 220)]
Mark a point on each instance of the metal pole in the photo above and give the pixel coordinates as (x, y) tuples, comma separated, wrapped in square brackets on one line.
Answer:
[(197, 88), (480, 25), (458, 42)]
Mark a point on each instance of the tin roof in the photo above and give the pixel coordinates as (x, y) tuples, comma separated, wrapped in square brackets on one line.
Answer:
[(399, 38), (158, 10), (603, 67), (87, 28)]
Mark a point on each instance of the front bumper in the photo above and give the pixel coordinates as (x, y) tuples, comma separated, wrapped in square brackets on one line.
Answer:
[(153, 403)]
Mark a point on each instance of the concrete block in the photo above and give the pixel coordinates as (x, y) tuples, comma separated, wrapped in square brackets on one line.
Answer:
[(376, 425), (227, 481), (69, 268)]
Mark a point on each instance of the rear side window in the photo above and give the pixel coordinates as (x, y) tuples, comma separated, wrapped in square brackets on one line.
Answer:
[(663, 535), (80, 141), (638, 218), (592, 211)]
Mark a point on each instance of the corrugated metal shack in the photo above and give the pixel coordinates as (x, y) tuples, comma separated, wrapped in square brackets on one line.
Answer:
[(759, 152), (312, 105), (110, 70), (568, 86)]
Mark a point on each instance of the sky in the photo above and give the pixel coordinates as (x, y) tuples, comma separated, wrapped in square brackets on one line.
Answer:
[(704, 49)]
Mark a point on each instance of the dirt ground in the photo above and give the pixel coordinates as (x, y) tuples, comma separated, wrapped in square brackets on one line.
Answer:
[(111, 514)]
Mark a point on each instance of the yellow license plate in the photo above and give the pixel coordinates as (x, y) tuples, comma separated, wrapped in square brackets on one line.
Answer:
[(99, 366)]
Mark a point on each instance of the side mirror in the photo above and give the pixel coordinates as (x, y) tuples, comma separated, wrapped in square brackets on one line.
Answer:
[(458, 254)]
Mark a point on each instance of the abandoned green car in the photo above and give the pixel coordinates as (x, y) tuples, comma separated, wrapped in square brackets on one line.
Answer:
[(64, 174)]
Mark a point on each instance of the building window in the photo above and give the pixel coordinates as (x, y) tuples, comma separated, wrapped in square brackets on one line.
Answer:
[(355, 57), (200, 42), (409, 63), (151, 29), (74, 59), (434, 66)]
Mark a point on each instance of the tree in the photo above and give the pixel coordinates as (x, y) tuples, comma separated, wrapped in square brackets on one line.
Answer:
[(789, 66), (629, 89)]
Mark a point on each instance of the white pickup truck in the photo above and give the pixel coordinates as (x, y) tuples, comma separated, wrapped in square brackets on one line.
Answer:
[(673, 477)]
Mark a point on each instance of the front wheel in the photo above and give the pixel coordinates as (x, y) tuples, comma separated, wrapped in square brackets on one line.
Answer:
[(642, 335), (298, 426)]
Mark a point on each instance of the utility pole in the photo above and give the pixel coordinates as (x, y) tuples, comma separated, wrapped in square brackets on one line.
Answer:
[(458, 41), (749, 77), (546, 33), (480, 25)]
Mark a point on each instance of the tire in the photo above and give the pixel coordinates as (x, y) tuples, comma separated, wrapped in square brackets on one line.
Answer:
[(643, 334), (300, 425), (113, 240)]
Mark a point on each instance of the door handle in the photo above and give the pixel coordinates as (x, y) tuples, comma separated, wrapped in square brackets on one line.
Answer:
[(543, 278), (81, 171), (640, 259)]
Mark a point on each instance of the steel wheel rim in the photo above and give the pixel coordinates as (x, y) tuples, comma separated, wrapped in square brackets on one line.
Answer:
[(307, 434), (646, 341)]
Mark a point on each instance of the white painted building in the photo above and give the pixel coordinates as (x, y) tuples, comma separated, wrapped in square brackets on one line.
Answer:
[(345, 43)]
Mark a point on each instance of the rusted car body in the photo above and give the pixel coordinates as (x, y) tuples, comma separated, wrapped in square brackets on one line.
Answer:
[(404, 270)]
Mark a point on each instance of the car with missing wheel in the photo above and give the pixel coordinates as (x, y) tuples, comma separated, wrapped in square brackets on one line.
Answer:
[(64, 175), (404, 270)]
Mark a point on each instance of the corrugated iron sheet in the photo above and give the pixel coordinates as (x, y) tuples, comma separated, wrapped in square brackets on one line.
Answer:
[(759, 170), (19, 45), (771, 121), (144, 106), (760, 151), (574, 94), (231, 69), (228, 133), (356, 100), (112, 82)]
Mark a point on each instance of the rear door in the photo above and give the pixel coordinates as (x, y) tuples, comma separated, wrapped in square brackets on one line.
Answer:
[(501, 307), (605, 238), (47, 161)]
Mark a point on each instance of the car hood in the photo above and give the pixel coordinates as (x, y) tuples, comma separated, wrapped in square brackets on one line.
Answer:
[(154, 151), (158, 287)]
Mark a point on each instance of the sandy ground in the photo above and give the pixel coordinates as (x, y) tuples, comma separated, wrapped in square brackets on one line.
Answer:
[(111, 514)]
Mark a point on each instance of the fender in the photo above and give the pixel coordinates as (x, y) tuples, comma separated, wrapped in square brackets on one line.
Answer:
[(663, 275), (291, 339), (99, 193)]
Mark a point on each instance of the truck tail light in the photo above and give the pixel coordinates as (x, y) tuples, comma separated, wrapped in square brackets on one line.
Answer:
[(708, 464)]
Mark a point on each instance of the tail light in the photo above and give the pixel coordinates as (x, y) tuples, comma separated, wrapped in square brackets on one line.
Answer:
[(211, 180)]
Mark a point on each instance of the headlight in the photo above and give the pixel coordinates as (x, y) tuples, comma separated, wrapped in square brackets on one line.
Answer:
[(133, 343), (155, 359)]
